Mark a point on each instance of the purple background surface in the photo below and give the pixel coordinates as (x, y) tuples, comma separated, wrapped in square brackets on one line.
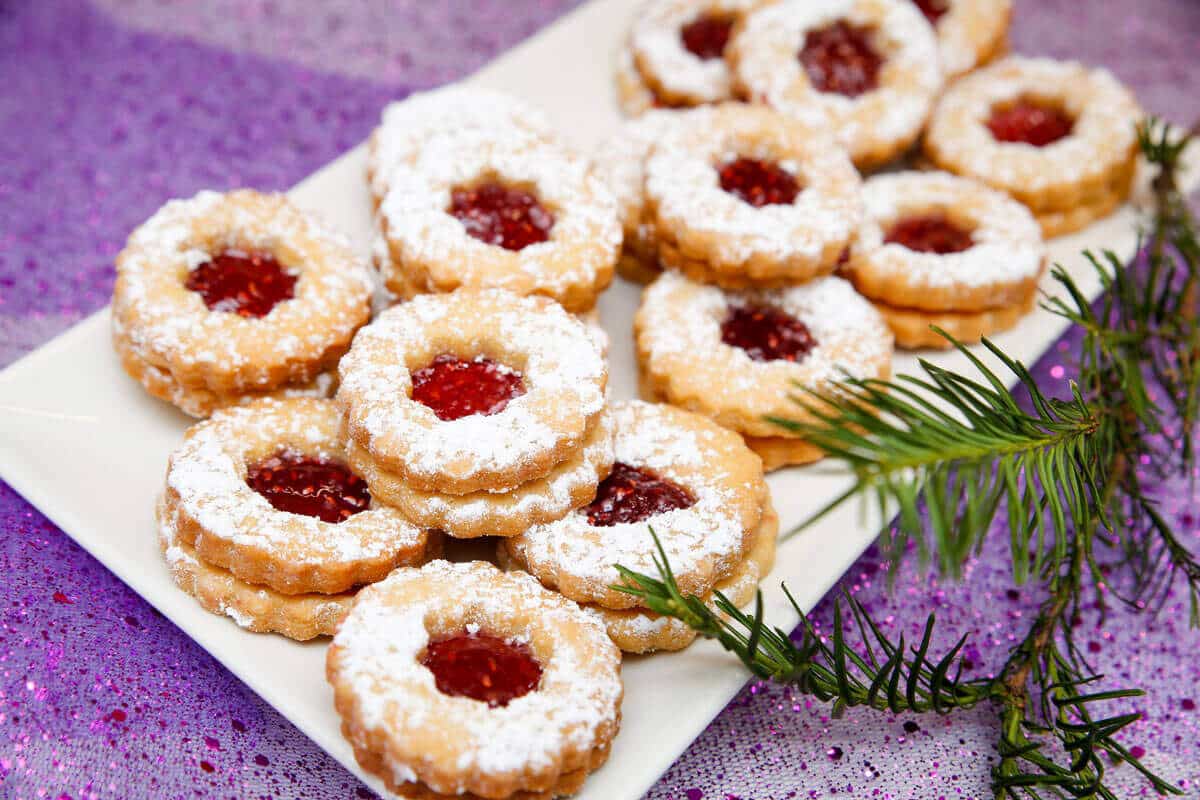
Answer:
[(110, 107)]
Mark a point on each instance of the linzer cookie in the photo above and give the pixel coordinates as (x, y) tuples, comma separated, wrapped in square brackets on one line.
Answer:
[(507, 214), (866, 71), (695, 483), (938, 249), (970, 33), (480, 410), (746, 199), (677, 48), (461, 680), (264, 491), (741, 357), (1058, 136), (221, 299)]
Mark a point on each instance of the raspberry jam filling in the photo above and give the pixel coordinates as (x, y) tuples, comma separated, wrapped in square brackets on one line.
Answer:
[(767, 334), (501, 215), (1030, 122), (246, 284), (454, 388), (706, 36), (631, 494), (308, 485), (482, 667), (930, 233), (933, 9), (839, 59), (759, 183)]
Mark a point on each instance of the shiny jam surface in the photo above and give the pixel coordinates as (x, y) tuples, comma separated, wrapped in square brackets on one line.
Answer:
[(246, 284), (630, 494), (767, 334), (759, 183), (501, 215), (1029, 122), (930, 233), (706, 36), (455, 388), (308, 485), (482, 667), (839, 59), (933, 9)]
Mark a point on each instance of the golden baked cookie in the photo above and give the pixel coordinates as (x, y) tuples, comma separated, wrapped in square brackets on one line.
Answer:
[(506, 214), (865, 70), (678, 48), (970, 33), (472, 390), (694, 482), (459, 678), (1058, 136), (937, 242), (223, 296), (750, 198), (913, 327), (634, 97), (743, 357), (567, 486), (262, 490), (446, 121)]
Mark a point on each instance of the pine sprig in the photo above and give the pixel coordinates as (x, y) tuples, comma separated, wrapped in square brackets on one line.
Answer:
[(951, 455)]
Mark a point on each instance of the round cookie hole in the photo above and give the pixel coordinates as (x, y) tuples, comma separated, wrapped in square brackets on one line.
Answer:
[(766, 333), (758, 182), (505, 216), (632, 494), (841, 58), (1030, 121), (312, 486), (482, 667), (933, 10), (454, 388), (242, 283), (933, 232), (706, 36)]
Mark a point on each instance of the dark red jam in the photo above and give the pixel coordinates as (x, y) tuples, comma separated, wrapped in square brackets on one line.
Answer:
[(759, 183), (454, 388), (246, 284), (482, 668), (933, 9), (767, 334), (502, 216), (630, 494), (1029, 122), (706, 36), (840, 59), (930, 233), (314, 487)]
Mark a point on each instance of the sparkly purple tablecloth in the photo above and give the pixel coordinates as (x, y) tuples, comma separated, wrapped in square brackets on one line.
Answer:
[(107, 108)]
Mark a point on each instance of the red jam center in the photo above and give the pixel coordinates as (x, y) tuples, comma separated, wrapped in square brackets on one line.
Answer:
[(314, 487), (630, 494), (246, 284), (706, 36), (932, 233), (482, 667), (759, 183), (502, 216), (1031, 123), (767, 334), (454, 388), (933, 9), (840, 59)]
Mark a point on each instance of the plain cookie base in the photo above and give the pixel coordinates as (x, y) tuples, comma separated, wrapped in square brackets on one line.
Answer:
[(913, 332), (777, 452)]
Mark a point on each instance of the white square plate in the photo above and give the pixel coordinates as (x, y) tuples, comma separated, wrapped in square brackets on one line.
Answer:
[(71, 397)]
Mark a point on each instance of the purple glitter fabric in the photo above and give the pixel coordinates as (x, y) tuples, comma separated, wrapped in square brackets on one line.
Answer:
[(108, 108)]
